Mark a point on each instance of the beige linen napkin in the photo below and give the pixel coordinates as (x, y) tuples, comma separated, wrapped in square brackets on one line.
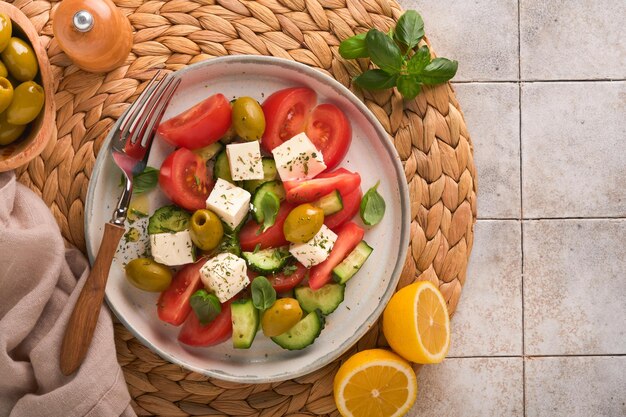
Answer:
[(38, 289)]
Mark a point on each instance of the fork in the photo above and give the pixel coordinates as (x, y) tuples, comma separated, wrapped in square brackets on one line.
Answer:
[(130, 148)]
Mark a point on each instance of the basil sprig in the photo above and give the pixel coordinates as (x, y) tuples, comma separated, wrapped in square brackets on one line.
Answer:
[(399, 63), (372, 207), (206, 306), (263, 294)]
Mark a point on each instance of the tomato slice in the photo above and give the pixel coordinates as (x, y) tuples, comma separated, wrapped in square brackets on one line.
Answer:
[(251, 235), (330, 131), (348, 236), (306, 191), (173, 305), (286, 112), (351, 204), (282, 282), (193, 333), (185, 180), (291, 111), (199, 126)]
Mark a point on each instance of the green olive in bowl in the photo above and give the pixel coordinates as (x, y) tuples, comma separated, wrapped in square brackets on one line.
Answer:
[(8, 132), (6, 28), (27, 103), (148, 275), (6, 94), (20, 60)]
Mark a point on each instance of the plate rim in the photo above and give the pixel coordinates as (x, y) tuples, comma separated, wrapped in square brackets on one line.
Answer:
[(404, 231)]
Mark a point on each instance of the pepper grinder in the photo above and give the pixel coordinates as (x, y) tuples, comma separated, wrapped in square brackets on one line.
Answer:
[(95, 34)]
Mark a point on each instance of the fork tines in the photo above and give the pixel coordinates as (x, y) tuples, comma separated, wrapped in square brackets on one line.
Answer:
[(146, 112)]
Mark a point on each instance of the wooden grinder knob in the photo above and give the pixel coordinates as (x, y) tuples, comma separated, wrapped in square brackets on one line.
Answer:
[(93, 33)]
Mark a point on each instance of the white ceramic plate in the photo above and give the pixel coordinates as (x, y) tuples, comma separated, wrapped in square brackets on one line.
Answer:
[(371, 154)]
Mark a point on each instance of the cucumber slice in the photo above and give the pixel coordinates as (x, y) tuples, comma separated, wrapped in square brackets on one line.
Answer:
[(330, 203), (246, 319), (326, 299), (303, 334), (275, 187), (208, 152), (221, 168), (168, 219), (267, 261), (352, 263), (270, 173)]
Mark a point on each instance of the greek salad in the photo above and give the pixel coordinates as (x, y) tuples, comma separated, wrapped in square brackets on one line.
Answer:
[(262, 230)]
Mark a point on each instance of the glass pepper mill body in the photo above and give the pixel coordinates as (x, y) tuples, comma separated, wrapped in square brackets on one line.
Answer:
[(95, 34)]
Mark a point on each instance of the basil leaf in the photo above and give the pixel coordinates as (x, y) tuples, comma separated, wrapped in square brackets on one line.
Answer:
[(409, 86), (372, 207), (418, 61), (263, 294), (354, 47), (146, 180), (438, 71), (409, 29), (270, 203), (383, 51), (206, 306), (375, 79)]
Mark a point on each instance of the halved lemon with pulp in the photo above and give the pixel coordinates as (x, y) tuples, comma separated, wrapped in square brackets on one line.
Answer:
[(416, 323), (375, 383)]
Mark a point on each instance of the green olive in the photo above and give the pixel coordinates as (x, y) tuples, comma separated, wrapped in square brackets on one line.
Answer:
[(206, 229), (302, 223), (5, 31), (8, 132), (148, 275), (248, 118), (3, 70), (27, 103), (6, 94), (20, 60), (281, 316)]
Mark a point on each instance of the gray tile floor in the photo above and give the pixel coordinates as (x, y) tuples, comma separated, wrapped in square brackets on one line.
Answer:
[(541, 326)]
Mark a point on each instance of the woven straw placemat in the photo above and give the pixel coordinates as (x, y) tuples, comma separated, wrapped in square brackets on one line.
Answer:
[(428, 132)]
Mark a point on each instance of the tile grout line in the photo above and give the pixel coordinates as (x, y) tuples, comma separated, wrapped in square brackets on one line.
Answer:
[(532, 81), (521, 197), (535, 219), (577, 355), (575, 218)]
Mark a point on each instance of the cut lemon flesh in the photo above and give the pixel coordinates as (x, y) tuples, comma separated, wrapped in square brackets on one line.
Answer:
[(375, 383), (416, 323)]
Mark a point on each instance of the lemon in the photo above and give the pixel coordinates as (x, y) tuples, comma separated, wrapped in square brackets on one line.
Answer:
[(375, 383), (416, 323)]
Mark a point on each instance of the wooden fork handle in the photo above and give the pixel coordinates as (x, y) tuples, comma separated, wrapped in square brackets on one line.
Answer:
[(82, 323)]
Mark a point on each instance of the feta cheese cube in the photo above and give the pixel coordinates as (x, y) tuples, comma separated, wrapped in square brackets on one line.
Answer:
[(172, 248), (229, 202), (298, 159), (225, 274), (244, 160), (316, 250)]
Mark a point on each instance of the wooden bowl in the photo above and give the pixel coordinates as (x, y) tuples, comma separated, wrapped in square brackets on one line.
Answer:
[(37, 135)]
